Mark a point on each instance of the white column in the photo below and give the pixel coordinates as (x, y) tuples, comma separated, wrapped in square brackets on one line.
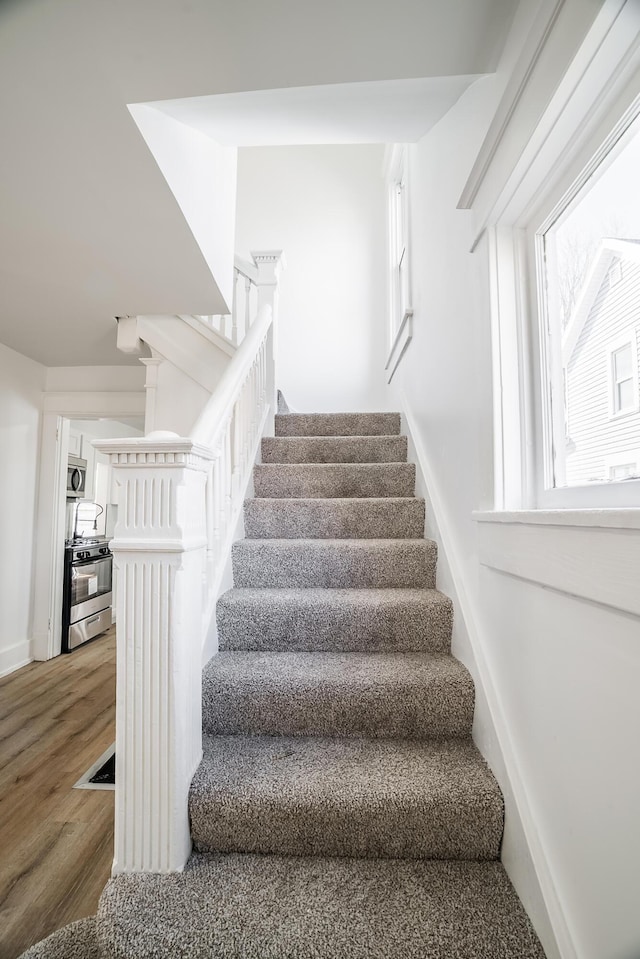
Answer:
[(152, 365), (159, 551), (270, 264)]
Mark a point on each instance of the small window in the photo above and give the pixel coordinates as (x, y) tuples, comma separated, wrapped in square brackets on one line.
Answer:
[(622, 379), (624, 471), (615, 273)]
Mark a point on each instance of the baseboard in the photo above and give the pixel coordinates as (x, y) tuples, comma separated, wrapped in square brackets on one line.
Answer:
[(21, 654), (557, 920)]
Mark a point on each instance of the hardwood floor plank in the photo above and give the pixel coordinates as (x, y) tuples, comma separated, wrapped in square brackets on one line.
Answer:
[(56, 719)]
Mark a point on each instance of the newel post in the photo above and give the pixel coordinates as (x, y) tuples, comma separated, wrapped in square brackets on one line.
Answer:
[(159, 551), (270, 264)]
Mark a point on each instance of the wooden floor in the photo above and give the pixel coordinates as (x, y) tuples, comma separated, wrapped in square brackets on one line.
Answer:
[(56, 843)]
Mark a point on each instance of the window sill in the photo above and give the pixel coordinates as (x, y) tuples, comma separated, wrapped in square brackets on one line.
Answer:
[(591, 554), (602, 518)]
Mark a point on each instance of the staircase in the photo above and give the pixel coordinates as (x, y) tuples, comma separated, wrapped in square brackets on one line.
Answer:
[(341, 810)]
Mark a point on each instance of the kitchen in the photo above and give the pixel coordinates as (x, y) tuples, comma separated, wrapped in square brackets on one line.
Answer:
[(88, 598)]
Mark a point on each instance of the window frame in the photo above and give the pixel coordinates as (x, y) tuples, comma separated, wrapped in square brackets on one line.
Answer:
[(629, 338), (524, 421), (400, 320)]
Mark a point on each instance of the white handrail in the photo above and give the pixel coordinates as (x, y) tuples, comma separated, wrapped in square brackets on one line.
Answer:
[(208, 424)]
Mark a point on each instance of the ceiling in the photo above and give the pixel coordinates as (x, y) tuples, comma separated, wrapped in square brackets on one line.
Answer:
[(379, 111), (89, 228)]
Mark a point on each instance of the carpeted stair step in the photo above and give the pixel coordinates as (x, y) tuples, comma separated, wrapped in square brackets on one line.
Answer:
[(410, 696), (339, 563), (312, 480), (337, 424), (302, 796), (78, 940), (335, 620), (272, 907), (369, 518), (334, 449)]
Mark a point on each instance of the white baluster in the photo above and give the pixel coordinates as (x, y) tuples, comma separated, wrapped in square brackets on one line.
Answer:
[(234, 308), (247, 304)]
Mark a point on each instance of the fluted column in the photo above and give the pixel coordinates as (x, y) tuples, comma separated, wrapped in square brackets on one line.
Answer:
[(159, 551)]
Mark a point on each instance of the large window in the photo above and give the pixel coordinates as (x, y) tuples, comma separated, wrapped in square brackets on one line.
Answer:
[(588, 263)]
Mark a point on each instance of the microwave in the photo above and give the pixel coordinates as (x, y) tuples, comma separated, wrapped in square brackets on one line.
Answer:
[(76, 477)]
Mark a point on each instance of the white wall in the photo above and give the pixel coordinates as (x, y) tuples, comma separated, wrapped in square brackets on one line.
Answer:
[(325, 207), (21, 383), (89, 379), (202, 176), (556, 671)]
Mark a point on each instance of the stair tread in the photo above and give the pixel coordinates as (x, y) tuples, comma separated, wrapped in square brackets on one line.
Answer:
[(337, 424), (341, 796), (386, 695), (309, 670), (258, 907), (334, 562), (354, 517), (338, 619), (334, 449), (342, 480)]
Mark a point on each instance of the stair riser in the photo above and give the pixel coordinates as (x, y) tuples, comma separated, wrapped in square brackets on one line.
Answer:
[(332, 564), (358, 449), (401, 829), (337, 424), (334, 626), (391, 518), (425, 712), (337, 480)]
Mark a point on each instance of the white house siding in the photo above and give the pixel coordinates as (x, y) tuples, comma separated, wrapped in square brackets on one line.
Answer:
[(594, 435)]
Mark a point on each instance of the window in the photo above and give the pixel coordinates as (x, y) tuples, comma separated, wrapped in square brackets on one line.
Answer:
[(588, 265), (398, 235), (626, 471), (622, 380)]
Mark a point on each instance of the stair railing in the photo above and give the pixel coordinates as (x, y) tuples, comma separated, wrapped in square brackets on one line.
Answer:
[(179, 500), (234, 326)]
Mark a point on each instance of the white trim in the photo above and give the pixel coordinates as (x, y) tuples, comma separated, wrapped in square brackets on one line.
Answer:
[(603, 518), (401, 341), (48, 568), (558, 920), (518, 82), (15, 657), (592, 83), (560, 557)]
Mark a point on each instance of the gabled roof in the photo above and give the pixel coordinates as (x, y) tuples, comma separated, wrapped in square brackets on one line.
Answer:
[(610, 247)]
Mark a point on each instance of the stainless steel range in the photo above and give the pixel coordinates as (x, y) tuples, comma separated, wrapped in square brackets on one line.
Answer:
[(86, 609)]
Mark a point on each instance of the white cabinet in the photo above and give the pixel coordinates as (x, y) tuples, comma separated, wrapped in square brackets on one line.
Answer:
[(75, 442)]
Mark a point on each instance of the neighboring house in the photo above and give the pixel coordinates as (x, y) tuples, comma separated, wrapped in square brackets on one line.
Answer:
[(600, 353)]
